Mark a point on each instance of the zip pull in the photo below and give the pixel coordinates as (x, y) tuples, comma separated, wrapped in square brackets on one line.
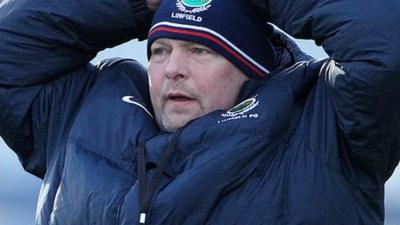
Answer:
[(142, 219)]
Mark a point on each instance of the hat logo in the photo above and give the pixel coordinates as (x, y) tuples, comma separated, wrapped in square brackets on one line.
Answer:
[(193, 6)]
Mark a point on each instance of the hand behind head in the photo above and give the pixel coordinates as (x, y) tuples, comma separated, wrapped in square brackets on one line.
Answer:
[(153, 4)]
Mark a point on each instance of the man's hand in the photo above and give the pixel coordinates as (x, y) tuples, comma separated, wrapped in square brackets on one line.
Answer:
[(152, 4)]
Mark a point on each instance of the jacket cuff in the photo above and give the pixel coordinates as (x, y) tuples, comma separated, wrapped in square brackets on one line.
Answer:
[(143, 18)]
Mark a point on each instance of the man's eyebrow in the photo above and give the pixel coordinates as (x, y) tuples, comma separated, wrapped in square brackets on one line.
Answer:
[(188, 44), (160, 42), (197, 45)]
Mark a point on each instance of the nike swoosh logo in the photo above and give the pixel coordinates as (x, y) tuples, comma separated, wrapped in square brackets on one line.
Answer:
[(129, 99)]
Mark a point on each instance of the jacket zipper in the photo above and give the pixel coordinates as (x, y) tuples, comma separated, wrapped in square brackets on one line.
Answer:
[(147, 191)]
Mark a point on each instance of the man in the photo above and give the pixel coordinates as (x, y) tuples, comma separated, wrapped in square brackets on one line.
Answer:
[(247, 131)]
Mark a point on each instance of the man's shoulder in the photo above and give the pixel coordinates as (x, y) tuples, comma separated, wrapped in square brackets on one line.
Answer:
[(121, 64), (128, 69)]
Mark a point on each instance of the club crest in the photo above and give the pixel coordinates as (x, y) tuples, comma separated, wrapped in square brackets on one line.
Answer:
[(193, 6), (243, 107), (240, 111)]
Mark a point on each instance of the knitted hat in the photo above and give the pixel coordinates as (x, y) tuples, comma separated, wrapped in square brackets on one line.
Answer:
[(230, 27)]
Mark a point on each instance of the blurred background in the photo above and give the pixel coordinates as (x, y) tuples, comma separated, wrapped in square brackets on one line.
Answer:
[(19, 190)]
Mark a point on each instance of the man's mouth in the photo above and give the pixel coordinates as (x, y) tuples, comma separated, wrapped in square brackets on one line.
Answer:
[(180, 103), (178, 97)]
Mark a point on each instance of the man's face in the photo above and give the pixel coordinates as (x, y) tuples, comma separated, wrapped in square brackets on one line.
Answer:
[(189, 80)]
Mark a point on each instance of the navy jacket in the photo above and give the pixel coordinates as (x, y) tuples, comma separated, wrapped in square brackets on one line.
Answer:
[(314, 146)]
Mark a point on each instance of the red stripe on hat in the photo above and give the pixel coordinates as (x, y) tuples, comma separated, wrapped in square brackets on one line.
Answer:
[(216, 41)]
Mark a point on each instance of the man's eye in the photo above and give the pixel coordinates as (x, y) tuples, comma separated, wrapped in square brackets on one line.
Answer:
[(199, 51), (158, 51)]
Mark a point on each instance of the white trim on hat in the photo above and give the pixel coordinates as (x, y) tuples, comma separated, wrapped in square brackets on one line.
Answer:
[(215, 34)]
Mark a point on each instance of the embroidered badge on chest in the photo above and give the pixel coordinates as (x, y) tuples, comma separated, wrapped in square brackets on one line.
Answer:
[(240, 111)]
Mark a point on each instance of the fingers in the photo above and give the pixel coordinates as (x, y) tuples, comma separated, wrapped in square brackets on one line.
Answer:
[(153, 4)]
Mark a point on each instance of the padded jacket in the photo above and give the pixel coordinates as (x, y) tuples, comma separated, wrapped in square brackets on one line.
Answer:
[(311, 145)]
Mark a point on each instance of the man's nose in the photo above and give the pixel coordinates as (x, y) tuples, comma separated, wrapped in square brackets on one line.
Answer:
[(176, 66)]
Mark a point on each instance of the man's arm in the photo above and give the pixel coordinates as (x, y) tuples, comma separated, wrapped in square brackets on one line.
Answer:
[(45, 49), (361, 38), (40, 39)]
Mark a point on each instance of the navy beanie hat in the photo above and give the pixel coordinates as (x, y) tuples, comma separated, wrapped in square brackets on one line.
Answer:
[(230, 27)]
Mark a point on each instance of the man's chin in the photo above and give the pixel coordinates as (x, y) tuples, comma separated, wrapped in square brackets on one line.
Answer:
[(176, 122), (171, 127)]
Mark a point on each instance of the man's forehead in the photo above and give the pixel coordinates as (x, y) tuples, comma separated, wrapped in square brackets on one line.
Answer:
[(177, 42)]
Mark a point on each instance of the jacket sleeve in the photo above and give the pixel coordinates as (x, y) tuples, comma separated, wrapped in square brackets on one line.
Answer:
[(45, 49), (363, 73)]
